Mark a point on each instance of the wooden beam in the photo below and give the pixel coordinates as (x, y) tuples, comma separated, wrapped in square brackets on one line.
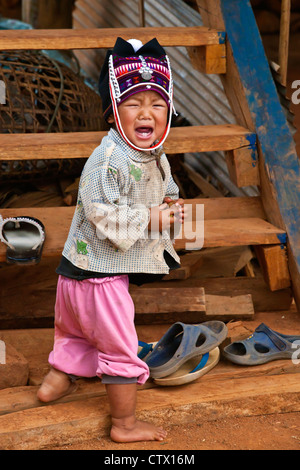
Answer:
[(105, 38), (81, 144)]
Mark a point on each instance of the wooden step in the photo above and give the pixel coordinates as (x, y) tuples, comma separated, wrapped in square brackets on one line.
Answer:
[(230, 232), (92, 38), (227, 390), (69, 423), (81, 144), (245, 230)]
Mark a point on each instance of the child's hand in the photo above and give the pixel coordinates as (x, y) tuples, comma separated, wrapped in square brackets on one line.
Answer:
[(171, 201), (163, 217), (178, 207)]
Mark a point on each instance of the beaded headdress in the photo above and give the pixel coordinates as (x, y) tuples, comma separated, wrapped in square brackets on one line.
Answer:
[(132, 67)]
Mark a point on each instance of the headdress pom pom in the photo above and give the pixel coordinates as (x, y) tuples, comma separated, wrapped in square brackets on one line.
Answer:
[(136, 44)]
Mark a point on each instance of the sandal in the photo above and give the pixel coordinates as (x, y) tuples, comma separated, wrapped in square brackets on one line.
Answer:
[(145, 349), (192, 369), (183, 342), (264, 345), (24, 238)]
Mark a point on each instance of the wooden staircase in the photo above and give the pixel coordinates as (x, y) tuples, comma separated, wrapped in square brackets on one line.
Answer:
[(259, 148)]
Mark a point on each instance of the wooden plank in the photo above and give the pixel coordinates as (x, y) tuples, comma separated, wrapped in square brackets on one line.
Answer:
[(226, 308), (81, 144), (159, 305), (69, 423), (164, 299), (104, 38), (263, 299), (223, 232), (228, 207), (254, 100), (274, 264), (168, 305), (228, 232)]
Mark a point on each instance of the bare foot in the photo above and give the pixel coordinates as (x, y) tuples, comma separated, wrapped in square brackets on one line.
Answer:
[(133, 430), (55, 385)]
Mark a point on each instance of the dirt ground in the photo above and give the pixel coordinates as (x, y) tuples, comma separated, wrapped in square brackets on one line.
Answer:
[(268, 432)]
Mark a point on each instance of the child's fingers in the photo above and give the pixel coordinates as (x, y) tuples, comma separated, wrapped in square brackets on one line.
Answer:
[(177, 213), (180, 201)]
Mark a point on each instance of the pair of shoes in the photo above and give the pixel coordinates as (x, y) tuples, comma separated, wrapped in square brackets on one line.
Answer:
[(24, 238), (264, 345), (185, 352)]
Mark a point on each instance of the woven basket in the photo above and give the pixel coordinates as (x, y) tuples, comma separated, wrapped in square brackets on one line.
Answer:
[(43, 95)]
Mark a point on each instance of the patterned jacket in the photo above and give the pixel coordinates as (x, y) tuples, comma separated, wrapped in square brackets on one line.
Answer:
[(109, 232)]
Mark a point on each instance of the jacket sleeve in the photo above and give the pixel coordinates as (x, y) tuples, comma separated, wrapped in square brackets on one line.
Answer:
[(108, 211)]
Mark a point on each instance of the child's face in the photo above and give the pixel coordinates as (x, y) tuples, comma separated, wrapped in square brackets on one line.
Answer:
[(143, 118)]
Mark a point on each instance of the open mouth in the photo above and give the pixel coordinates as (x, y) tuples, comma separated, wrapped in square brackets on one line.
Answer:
[(144, 132)]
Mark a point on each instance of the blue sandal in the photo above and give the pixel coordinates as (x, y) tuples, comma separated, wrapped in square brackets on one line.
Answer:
[(264, 345), (192, 369), (145, 349), (183, 342)]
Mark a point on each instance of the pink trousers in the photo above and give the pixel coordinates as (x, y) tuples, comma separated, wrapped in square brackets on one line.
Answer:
[(94, 329)]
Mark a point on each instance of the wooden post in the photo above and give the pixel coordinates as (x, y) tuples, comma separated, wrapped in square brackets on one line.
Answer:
[(209, 59), (284, 39), (273, 261), (243, 166), (142, 13), (29, 11)]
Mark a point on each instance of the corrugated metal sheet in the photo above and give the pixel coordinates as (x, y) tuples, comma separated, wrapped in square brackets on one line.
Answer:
[(198, 97)]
